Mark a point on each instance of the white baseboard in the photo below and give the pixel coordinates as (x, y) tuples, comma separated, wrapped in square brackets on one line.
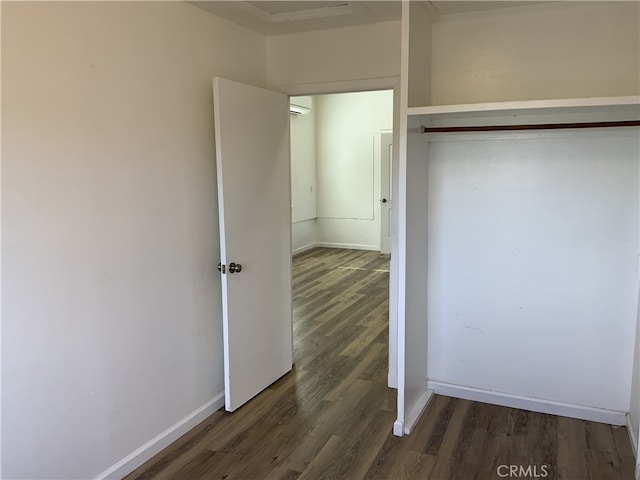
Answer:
[(304, 248), (416, 412), (132, 461), (349, 246), (632, 436), (612, 417), (392, 380), (398, 428)]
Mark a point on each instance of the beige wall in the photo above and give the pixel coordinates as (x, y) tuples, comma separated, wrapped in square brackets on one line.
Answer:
[(111, 321), (419, 74), (570, 49), (351, 53)]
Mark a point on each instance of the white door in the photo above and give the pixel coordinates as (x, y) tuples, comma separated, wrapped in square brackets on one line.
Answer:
[(252, 156), (386, 148)]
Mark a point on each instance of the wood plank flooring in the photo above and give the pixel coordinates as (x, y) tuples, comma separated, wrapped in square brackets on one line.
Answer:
[(331, 417)]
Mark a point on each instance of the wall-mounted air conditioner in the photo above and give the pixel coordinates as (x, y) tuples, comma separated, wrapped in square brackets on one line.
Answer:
[(300, 105)]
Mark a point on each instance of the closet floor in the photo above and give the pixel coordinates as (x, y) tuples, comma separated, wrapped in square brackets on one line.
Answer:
[(331, 417)]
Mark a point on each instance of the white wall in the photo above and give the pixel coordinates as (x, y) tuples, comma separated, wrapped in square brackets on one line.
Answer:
[(554, 50), (350, 53), (111, 307), (303, 179), (533, 245), (348, 172)]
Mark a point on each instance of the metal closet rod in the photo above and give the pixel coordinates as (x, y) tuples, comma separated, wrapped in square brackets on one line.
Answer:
[(534, 126)]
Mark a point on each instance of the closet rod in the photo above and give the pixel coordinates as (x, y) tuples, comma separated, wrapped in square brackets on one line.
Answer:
[(535, 126)]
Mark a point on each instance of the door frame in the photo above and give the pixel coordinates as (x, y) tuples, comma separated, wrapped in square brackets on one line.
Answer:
[(397, 268)]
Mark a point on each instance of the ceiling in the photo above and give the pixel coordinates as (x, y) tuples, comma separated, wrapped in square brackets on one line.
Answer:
[(274, 18)]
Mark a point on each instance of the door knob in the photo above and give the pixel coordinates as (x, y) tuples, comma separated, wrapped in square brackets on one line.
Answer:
[(221, 268), (384, 200), (235, 267)]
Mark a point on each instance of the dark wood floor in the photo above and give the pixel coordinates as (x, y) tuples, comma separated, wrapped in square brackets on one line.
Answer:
[(331, 417)]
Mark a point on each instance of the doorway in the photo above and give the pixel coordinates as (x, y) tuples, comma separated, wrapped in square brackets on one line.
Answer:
[(341, 202), (236, 159)]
